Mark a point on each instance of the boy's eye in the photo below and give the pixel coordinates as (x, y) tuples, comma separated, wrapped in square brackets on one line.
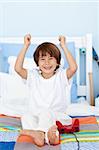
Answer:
[(51, 58), (42, 59)]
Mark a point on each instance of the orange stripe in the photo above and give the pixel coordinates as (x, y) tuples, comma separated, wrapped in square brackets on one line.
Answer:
[(5, 116), (87, 120)]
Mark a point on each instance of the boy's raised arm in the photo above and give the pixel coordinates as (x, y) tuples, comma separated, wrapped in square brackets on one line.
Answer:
[(20, 59), (71, 61)]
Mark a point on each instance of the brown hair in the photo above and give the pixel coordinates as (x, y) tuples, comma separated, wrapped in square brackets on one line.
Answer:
[(49, 48)]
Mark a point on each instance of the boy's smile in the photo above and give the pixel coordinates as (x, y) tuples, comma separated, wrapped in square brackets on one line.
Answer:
[(47, 65)]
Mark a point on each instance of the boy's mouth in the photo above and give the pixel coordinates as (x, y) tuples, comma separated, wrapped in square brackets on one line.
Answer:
[(47, 68)]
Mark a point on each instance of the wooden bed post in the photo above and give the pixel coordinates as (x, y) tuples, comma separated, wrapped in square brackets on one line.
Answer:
[(92, 102), (89, 70)]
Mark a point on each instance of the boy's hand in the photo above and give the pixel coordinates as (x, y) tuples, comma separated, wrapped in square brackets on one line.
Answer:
[(62, 41), (27, 40)]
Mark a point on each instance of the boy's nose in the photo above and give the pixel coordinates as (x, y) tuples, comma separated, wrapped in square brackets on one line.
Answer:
[(47, 61)]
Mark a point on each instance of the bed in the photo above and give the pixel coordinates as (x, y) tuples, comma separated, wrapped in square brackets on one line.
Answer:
[(13, 103)]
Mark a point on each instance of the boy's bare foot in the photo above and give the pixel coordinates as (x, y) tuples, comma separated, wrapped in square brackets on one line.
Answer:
[(38, 136), (53, 136)]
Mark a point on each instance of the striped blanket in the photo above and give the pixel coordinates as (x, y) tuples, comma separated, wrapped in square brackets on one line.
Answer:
[(86, 139)]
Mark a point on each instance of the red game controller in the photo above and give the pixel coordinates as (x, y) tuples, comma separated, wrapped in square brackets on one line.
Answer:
[(74, 127)]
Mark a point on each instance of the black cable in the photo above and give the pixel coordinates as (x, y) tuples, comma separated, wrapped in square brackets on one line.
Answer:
[(78, 148)]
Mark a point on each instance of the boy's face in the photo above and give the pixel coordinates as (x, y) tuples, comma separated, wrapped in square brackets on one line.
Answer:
[(47, 65)]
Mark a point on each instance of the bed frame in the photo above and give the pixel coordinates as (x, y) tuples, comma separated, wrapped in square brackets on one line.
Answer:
[(84, 42)]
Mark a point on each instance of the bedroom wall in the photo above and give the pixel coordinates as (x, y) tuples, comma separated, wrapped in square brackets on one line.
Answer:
[(98, 30), (50, 18)]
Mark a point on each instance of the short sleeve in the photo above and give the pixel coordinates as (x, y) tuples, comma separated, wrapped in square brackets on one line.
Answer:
[(66, 85), (28, 77), (65, 79), (31, 74)]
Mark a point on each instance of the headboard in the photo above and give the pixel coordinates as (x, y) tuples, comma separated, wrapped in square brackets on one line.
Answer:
[(83, 45)]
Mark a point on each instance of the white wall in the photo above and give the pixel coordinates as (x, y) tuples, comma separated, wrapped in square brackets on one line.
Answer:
[(98, 30), (49, 18), (1, 19)]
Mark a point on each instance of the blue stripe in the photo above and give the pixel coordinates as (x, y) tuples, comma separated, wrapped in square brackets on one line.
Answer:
[(7, 145)]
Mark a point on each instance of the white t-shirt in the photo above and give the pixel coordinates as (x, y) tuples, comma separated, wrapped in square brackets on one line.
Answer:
[(52, 93)]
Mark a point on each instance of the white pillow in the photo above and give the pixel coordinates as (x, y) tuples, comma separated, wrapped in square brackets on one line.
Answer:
[(82, 109), (10, 110), (29, 63), (13, 93)]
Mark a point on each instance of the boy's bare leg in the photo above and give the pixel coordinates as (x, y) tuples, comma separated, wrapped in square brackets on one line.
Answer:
[(52, 135), (38, 136)]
